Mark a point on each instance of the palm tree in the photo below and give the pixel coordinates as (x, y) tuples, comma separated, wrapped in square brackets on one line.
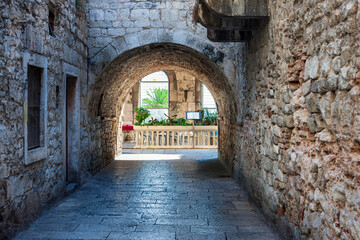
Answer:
[(157, 98)]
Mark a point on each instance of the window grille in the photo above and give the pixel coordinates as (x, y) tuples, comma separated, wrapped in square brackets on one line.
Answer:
[(34, 106)]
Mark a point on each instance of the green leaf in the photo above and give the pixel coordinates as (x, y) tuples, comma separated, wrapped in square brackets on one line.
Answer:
[(156, 98)]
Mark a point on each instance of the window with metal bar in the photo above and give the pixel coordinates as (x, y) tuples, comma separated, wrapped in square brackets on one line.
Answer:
[(34, 106)]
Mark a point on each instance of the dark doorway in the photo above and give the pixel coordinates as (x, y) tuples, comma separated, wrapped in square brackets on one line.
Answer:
[(71, 129)]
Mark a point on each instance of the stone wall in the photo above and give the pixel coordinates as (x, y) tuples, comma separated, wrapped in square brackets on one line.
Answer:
[(118, 30), (299, 137), (26, 189), (185, 94)]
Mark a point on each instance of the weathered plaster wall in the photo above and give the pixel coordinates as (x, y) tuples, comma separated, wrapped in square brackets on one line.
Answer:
[(27, 189), (299, 137)]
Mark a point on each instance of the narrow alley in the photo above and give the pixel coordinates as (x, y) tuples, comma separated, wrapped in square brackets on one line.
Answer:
[(271, 90), (182, 194)]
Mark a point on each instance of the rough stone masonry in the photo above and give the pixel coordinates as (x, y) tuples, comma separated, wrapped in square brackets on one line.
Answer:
[(288, 101), (302, 119), (25, 39)]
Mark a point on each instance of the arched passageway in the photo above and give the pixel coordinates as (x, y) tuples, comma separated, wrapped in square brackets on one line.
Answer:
[(167, 95), (110, 89)]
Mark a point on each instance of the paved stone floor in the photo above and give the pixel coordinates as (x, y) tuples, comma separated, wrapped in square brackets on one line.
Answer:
[(158, 195)]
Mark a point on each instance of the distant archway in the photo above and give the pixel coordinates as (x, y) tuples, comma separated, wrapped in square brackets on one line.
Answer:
[(110, 89)]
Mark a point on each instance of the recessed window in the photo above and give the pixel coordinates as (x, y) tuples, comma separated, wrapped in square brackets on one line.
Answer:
[(154, 94), (34, 106), (51, 23)]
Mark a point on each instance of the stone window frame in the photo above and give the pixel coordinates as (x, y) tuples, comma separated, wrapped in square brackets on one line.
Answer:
[(39, 153)]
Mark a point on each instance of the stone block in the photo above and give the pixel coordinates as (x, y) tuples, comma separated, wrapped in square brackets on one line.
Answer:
[(157, 24), (140, 15), (117, 24), (277, 120), (148, 36), (191, 106), (336, 63), (306, 87), (325, 66), (314, 123), (338, 194), (97, 15), (111, 15), (165, 35), (288, 109), (132, 30), (319, 86), (116, 32), (142, 23), (180, 36), (325, 136), (334, 48), (289, 121), (154, 15), (123, 14), (332, 83), (119, 45), (314, 68), (311, 102), (276, 130), (325, 106), (266, 163), (171, 15), (132, 40), (128, 24), (311, 68)]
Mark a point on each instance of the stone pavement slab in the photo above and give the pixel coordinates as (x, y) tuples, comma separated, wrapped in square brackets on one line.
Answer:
[(178, 195)]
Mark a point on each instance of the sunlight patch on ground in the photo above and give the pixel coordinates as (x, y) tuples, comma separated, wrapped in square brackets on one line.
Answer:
[(167, 154), (148, 157)]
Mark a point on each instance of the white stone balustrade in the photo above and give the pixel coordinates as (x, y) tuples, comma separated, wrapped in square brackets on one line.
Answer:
[(176, 137)]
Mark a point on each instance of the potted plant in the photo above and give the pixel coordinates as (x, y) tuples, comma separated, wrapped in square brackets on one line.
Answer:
[(141, 115)]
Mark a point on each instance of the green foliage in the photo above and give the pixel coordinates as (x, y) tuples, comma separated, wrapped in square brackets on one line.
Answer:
[(141, 115), (81, 3), (208, 118), (181, 122), (170, 118), (157, 98), (171, 121)]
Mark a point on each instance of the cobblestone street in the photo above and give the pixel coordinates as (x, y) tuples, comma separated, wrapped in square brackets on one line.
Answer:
[(182, 194)]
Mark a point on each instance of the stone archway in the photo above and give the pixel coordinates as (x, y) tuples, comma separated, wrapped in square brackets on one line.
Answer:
[(110, 89)]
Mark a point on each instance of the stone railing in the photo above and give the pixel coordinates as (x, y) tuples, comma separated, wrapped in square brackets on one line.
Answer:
[(176, 136)]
